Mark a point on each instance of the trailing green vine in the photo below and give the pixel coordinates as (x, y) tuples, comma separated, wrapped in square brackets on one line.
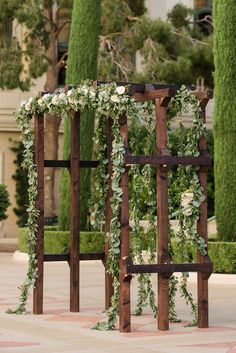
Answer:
[(111, 101), (186, 179), (24, 122), (142, 184)]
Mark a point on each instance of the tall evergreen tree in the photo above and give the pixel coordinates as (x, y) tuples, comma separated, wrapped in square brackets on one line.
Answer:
[(81, 65), (225, 119)]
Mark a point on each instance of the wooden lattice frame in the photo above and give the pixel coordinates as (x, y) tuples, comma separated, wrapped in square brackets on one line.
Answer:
[(160, 95)]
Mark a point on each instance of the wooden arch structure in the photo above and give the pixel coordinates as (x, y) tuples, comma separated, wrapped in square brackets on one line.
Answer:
[(160, 95)]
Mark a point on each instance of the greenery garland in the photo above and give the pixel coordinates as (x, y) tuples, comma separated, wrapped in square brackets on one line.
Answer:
[(110, 101), (141, 183), (186, 179)]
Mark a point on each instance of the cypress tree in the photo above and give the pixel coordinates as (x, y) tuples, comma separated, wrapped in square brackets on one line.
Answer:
[(81, 65), (225, 118)]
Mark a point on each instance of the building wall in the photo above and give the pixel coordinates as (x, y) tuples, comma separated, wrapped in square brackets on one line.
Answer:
[(7, 169), (9, 102)]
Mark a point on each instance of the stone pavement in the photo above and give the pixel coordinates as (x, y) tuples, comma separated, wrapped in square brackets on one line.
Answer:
[(59, 331)]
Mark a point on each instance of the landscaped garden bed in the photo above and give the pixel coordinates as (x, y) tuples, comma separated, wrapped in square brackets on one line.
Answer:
[(222, 254)]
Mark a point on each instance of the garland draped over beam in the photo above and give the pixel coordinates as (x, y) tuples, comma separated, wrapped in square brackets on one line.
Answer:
[(112, 101)]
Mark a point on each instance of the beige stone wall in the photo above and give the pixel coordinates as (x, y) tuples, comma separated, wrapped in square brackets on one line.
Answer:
[(9, 102), (7, 169)]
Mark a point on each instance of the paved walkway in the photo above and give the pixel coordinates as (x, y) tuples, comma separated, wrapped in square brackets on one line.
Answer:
[(59, 331)]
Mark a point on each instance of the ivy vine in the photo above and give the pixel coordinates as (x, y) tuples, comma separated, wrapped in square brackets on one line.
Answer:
[(111, 101)]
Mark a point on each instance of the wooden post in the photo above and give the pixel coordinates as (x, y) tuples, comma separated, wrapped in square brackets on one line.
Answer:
[(109, 290), (74, 211), (202, 278), (124, 305), (162, 213), (39, 160)]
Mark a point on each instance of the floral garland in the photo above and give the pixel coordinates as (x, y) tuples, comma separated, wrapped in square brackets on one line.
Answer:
[(186, 178), (111, 101), (108, 100)]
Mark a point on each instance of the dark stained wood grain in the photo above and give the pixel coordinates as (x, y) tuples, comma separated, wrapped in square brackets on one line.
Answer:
[(139, 87), (168, 160), (202, 278), (39, 161), (66, 257), (124, 305), (162, 213), (154, 94), (168, 267), (109, 290), (66, 164), (74, 212)]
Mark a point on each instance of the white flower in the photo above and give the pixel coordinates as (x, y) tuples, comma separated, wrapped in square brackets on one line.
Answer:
[(45, 96), (31, 99), (84, 90), (115, 98), (40, 101), (69, 92), (22, 103), (72, 100), (55, 100), (62, 96), (92, 94), (120, 89), (27, 106)]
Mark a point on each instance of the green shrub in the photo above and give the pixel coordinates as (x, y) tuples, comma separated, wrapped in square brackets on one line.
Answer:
[(4, 201), (57, 242), (21, 184), (222, 254)]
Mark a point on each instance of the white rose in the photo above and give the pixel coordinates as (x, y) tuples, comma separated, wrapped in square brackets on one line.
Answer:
[(69, 93), (120, 89), (61, 96), (84, 90), (55, 100), (115, 98), (40, 101), (72, 100), (27, 106), (45, 96), (31, 99), (92, 94), (22, 103)]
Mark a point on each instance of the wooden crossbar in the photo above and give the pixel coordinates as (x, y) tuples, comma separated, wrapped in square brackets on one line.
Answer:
[(168, 160), (66, 164), (168, 267), (66, 257)]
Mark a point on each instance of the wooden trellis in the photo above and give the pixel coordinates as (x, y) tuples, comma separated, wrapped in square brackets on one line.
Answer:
[(160, 95)]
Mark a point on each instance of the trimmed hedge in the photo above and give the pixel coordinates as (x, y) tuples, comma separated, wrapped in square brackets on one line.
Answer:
[(57, 242), (222, 254)]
